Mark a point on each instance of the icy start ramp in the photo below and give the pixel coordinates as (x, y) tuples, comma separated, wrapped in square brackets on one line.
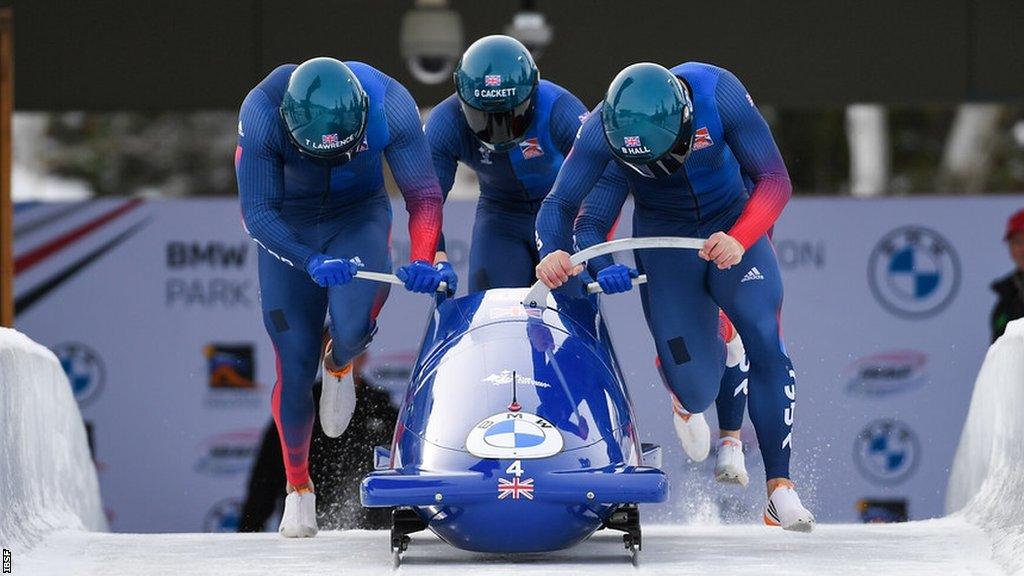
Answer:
[(949, 547)]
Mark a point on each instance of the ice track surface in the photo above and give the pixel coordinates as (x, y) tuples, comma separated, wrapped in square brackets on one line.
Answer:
[(948, 547)]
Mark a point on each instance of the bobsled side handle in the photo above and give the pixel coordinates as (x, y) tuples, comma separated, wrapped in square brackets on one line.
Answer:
[(391, 279), (595, 288), (538, 295)]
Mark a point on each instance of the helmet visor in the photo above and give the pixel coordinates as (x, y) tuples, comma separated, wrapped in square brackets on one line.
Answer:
[(499, 130)]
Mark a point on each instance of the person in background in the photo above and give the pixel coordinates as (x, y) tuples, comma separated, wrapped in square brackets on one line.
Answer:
[(337, 465), (1010, 288)]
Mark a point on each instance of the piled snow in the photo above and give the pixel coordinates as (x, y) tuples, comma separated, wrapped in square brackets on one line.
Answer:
[(986, 486), (47, 479)]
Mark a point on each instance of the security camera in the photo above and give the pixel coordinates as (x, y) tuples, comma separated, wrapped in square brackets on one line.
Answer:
[(530, 28), (431, 41)]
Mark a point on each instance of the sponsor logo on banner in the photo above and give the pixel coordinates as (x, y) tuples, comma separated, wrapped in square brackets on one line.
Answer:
[(231, 379), (514, 435), (886, 451), (230, 453), (914, 272), (886, 373), (208, 274), (224, 516), (794, 254), (84, 368), (883, 511)]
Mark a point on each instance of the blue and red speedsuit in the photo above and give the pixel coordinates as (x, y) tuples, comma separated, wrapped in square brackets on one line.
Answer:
[(295, 208), (732, 152), (503, 252)]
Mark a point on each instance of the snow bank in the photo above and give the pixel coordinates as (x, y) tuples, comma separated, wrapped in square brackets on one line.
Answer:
[(47, 478), (986, 486)]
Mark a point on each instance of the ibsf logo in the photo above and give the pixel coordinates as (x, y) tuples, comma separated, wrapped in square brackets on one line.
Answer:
[(886, 373), (914, 272), (886, 451), (84, 369), (224, 516), (229, 453)]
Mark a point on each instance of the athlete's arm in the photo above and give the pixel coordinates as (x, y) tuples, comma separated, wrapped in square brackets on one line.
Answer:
[(598, 214), (567, 114), (579, 173), (408, 154), (260, 173), (442, 135), (750, 140)]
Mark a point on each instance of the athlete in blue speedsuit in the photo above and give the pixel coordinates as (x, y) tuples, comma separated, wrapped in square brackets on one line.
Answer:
[(311, 139), (513, 129), (689, 143)]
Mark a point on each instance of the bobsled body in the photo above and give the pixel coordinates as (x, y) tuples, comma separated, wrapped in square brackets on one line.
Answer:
[(516, 433)]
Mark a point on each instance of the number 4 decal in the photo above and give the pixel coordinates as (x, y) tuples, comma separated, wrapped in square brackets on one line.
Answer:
[(516, 469)]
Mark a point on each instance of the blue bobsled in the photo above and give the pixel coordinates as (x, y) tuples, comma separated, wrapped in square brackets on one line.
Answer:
[(516, 433)]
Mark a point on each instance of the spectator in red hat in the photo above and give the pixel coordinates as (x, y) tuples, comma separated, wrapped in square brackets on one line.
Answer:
[(1010, 288)]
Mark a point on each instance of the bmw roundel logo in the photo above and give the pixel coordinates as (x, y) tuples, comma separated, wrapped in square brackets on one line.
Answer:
[(914, 272), (84, 368), (514, 435), (886, 451)]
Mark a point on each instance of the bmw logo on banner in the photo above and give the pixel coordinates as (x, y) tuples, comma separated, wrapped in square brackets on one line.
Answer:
[(886, 451), (514, 435), (84, 369), (914, 272)]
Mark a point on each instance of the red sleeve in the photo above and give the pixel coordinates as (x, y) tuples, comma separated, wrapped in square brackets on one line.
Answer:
[(770, 195)]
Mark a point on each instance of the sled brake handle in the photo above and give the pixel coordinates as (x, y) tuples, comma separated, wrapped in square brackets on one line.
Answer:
[(391, 279), (538, 295)]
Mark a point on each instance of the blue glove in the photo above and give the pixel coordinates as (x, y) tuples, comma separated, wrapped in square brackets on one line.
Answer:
[(616, 278), (327, 271), (448, 276), (419, 277)]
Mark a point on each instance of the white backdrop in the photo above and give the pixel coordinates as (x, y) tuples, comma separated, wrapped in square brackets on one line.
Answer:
[(885, 319)]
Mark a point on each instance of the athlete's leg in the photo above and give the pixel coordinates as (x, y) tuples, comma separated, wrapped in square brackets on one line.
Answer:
[(293, 313), (732, 397), (362, 232), (751, 294), (503, 253), (683, 320)]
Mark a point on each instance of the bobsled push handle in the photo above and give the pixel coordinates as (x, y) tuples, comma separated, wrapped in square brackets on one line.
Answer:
[(538, 295), (391, 279)]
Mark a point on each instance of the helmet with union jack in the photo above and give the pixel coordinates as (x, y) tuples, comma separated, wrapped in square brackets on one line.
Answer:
[(497, 81), (648, 119), (324, 110)]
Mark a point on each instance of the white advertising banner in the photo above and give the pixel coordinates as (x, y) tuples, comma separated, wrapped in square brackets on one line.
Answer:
[(153, 308)]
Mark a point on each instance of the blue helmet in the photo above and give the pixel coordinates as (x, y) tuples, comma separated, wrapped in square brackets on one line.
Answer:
[(496, 81), (324, 110), (648, 119)]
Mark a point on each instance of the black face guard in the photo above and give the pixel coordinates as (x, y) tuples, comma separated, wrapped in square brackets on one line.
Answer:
[(500, 130)]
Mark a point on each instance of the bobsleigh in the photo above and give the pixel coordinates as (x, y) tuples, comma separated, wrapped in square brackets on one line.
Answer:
[(517, 433)]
